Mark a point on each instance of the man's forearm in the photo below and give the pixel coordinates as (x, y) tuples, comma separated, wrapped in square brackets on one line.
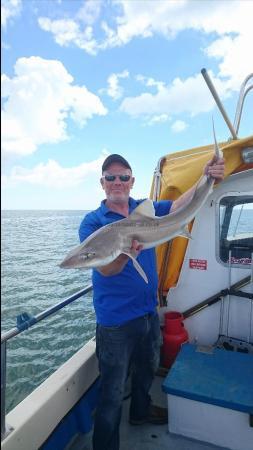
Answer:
[(214, 168), (114, 267), (183, 199)]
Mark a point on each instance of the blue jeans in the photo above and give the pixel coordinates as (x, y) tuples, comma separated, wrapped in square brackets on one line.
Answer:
[(135, 344)]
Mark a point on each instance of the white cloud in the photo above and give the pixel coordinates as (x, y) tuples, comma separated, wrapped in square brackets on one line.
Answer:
[(38, 100), (161, 118), (150, 82), (229, 20), (182, 96), (90, 11), (69, 31), (76, 30), (178, 126), (14, 138), (234, 55), (52, 174), (228, 23), (171, 17), (114, 90), (9, 10)]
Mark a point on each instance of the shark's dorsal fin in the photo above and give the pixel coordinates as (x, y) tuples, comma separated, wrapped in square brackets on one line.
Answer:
[(145, 208)]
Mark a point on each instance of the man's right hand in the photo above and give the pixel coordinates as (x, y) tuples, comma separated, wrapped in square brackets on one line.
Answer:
[(119, 263), (136, 248)]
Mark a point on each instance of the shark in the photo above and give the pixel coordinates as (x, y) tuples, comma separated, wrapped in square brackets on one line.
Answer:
[(108, 242)]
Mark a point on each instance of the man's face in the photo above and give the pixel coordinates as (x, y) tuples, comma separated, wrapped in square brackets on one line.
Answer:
[(117, 191)]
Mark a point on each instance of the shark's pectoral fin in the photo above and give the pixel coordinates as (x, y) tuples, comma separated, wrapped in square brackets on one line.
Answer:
[(185, 233), (137, 265)]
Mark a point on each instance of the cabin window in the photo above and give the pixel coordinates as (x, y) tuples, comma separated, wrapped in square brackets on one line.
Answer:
[(236, 229)]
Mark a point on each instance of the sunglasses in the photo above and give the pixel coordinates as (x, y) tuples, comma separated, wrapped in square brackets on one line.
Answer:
[(123, 178)]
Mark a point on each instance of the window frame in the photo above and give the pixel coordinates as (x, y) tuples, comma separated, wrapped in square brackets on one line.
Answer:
[(242, 195)]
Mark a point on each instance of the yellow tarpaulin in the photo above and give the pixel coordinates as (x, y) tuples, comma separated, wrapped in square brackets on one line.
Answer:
[(180, 171)]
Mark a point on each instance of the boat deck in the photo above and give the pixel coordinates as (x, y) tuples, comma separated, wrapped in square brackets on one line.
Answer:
[(147, 436)]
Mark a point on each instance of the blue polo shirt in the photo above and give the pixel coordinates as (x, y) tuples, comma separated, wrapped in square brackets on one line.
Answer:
[(125, 296)]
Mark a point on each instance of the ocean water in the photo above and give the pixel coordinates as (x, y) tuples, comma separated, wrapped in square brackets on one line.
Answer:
[(33, 244)]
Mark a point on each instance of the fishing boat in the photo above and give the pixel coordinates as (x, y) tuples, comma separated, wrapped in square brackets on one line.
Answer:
[(206, 313)]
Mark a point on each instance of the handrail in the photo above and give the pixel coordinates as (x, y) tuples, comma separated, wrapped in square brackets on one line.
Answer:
[(233, 290), (25, 321), (240, 102), (157, 179), (218, 102)]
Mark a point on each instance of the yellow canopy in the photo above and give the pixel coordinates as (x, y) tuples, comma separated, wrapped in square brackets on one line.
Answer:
[(180, 171)]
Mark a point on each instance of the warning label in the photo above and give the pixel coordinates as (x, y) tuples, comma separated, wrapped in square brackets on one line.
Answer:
[(200, 264)]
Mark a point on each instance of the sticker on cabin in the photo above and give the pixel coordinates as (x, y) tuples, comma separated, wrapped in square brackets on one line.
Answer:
[(246, 261), (200, 264)]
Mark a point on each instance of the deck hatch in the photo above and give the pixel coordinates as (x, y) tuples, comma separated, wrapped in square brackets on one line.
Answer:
[(221, 378)]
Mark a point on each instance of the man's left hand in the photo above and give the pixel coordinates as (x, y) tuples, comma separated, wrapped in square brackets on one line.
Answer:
[(215, 168)]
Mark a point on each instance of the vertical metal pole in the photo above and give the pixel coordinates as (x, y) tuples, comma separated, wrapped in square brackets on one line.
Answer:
[(3, 387), (5, 429), (240, 213), (251, 301), (240, 102), (229, 286), (218, 102), (221, 316)]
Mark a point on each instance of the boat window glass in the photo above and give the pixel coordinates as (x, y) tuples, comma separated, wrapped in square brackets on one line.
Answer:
[(236, 229)]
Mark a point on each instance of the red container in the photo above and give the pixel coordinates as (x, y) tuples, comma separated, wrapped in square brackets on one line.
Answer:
[(174, 335)]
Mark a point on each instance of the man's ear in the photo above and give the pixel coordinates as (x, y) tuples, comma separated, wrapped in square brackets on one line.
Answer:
[(102, 182), (133, 180)]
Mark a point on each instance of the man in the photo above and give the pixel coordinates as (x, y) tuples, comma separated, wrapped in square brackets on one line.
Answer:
[(128, 328)]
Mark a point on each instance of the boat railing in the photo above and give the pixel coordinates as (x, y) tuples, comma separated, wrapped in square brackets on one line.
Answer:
[(218, 102), (243, 92), (234, 128), (25, 321)]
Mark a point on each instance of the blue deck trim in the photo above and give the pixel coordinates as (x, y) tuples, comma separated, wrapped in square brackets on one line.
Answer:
[(221, 378), (78, 420)]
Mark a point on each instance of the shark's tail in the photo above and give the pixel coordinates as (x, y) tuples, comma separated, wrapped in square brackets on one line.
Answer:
[(218, 151)]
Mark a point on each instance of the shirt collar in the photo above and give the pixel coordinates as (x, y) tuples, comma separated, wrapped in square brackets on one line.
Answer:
[(105, 210)]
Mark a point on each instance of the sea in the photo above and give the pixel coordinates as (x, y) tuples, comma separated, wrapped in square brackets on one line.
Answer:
[(33, 244)]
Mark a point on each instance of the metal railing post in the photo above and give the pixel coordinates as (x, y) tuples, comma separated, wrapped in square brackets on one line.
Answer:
[(29, 321), (243, 92), (5, 430), (251, 302), (26, 322), (218, 102), (3, 386)]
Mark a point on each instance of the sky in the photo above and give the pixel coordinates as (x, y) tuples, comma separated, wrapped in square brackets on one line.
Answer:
[(84, 79)]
